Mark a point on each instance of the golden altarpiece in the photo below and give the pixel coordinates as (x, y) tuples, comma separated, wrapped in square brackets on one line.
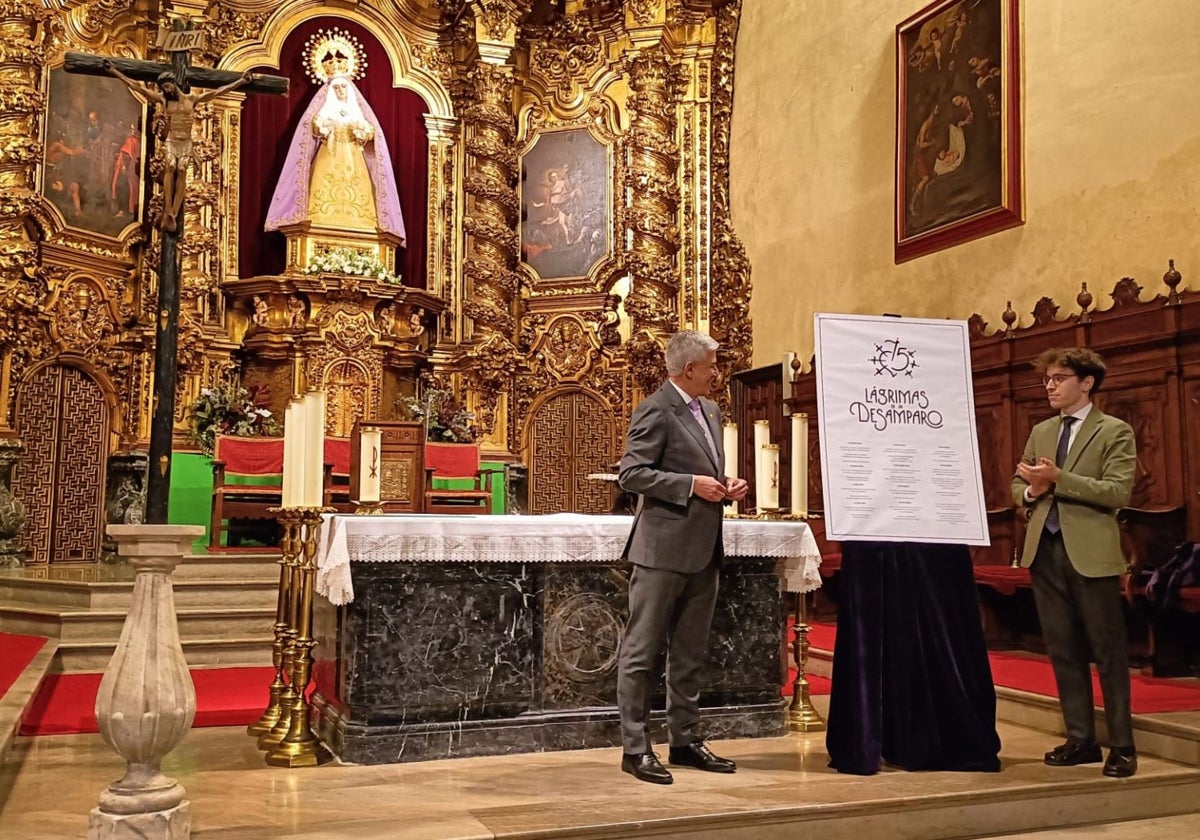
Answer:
[(571, 211)]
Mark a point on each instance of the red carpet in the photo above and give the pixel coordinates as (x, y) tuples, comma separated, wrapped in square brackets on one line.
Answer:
[(17, 652), (1032, 673), (1149, 695), (816, 684), (66, 703)]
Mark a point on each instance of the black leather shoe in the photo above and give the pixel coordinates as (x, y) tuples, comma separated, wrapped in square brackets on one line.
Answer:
[(1074, 752), (647, 768), (1121, 762), (698, 755)]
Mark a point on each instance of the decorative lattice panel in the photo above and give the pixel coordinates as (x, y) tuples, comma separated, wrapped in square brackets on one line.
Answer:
[(572, 435), (63, 420)]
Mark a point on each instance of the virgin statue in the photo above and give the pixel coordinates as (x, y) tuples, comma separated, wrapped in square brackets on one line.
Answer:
[(338, 173)]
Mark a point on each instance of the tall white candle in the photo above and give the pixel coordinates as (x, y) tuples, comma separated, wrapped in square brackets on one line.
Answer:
[(314, 448), (289, 474), (370, 440), (730, 440), (800, 464), (769, 498), (762, 436), (294, 461)]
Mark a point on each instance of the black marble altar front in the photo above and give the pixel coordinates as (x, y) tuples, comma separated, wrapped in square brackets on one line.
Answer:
[(449, 660)]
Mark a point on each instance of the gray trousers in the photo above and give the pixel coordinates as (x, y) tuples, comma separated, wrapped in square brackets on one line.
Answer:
[(1081, 618), (668, 610)]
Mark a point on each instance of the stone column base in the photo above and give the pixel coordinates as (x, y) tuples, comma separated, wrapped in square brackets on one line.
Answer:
[(171, 824)]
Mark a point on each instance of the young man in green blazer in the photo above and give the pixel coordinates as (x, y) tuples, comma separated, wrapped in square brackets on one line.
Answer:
[(1077, 471)]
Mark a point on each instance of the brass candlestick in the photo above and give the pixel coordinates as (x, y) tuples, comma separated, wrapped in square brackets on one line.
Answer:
[(367, 508), (802, 714), (289, 518), (300, 747), (287, 696)]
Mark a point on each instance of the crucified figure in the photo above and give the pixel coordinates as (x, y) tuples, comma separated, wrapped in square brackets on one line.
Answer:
[(180, 109)]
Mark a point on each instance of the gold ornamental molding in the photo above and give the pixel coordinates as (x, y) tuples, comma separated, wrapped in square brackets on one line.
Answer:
[(22, 57), (729, 315)]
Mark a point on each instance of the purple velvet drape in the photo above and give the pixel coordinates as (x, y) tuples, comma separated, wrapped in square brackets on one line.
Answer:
[(268, 123), (912, 684)]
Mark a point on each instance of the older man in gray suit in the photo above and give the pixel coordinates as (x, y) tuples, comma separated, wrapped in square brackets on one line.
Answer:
[(672, 460)]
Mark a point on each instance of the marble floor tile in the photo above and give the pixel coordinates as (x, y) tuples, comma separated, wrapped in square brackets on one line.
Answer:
[(49, 784)]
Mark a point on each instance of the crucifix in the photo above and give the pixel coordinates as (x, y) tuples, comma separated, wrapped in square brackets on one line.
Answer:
[(172, 94)]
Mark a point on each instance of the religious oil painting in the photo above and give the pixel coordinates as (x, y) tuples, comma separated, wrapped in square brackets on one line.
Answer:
[(958, 132), (94, 153), (565, 201)]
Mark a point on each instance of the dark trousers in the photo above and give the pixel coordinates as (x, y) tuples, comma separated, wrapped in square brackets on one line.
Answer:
[(668, 610), (1081, 619)]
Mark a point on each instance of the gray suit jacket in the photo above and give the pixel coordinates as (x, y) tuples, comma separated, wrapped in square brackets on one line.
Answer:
[(665, 447)]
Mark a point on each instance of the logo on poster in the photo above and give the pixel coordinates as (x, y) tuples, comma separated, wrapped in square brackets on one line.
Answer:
[(893, 358), (883, 407)]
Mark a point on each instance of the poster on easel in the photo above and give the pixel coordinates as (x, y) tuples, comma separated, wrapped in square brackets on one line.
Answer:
[(896, 418)]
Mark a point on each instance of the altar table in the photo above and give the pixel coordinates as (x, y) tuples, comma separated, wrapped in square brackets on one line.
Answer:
[(455, 636)]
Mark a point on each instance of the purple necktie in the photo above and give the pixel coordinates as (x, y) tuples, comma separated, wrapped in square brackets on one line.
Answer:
[(698, 413)]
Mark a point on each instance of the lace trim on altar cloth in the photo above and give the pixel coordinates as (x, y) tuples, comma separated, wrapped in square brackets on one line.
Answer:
[(547, 539)]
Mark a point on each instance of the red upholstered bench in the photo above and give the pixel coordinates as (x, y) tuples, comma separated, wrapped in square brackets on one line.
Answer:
[(1004, 579)]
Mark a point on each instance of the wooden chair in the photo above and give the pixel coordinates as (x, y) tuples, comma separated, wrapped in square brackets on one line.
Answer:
[(337, 475), (456, 461), (246, 507), (1149, 538)]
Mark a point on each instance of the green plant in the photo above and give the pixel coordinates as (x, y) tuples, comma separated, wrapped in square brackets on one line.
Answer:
[(230, 409), (349, 261), (446, 418)]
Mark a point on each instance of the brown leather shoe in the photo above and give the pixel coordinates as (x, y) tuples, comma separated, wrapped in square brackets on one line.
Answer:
[(1121, 762), (698, 755), (647, 768), (1074, 752)]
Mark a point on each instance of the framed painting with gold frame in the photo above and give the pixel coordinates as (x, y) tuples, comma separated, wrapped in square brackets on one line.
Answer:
[(94, 159), (566, 204), (958, 124)]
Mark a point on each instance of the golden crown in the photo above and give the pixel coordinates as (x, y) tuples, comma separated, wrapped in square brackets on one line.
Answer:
[(334, 52)]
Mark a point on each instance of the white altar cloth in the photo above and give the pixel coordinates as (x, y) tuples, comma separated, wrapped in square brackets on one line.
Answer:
[(557, 538)]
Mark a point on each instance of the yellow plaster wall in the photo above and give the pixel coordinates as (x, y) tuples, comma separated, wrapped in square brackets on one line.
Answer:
[(1112, 154)]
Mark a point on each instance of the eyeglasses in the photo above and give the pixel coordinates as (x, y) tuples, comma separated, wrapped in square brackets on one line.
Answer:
[(1057, 379)]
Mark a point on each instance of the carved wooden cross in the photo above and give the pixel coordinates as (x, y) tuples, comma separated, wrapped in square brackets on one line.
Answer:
[(173, 82)]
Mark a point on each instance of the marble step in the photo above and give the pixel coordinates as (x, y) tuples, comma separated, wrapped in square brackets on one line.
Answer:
[(16, 699), (90, 655), (951, 812), (105, 625), (228, 566), (116, 594), (1173, 736)]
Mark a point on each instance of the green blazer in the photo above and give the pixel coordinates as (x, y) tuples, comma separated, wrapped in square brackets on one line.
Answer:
[(1096, 480)]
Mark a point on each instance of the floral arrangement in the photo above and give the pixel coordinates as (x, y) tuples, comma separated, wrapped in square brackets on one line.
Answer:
[(349, 261), (446, 418), (230, 409)]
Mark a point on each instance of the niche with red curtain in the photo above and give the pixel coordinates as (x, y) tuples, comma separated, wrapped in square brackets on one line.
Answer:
[(269, 122)]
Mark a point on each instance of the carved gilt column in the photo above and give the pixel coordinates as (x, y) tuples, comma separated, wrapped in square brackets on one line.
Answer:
[(489, 362), (443, 243), (729, 315), (653, 302), (21, 105)]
